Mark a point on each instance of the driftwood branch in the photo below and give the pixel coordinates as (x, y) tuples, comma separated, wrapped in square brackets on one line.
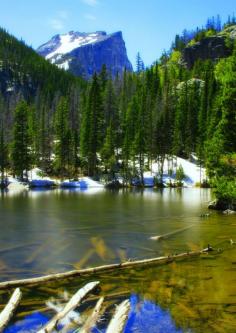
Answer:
[(169, 234), (9, 309), (93, 319), (117, 323), (71, 305), (105, 268)]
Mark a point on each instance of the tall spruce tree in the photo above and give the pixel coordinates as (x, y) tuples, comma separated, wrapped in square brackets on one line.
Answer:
[(139, 144), (92, 127), (4, 158), (4, 161), (21, 146), (62, 138), (139, 63), (223, 119)]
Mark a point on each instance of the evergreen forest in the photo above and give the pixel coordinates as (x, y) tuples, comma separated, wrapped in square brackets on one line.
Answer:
[(116, 127)]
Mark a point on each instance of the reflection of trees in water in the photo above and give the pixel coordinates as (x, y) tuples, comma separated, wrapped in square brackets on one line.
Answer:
[(193, 291)]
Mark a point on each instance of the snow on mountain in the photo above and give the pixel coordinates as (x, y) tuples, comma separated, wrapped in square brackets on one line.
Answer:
[(85, 53), (65, 65), (70, 41)]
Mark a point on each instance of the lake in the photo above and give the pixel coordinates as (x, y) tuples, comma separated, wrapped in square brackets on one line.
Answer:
[(57, 230)]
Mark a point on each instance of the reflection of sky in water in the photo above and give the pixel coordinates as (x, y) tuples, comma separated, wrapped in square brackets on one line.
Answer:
[(31, 323), (41, 191), (58, 230), (62, 222), (34, 193), (145, 316)]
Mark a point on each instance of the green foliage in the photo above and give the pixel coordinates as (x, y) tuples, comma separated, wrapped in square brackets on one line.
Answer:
[(92, 132), (4, 149), (28, 71), (108, 152), (22, 140), (225, 190), (63, 138), (175, 56), (222, 140), (120, 125), (4, 160), (180, 174)]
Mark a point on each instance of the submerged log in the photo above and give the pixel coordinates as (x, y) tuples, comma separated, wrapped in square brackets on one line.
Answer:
[(9, 309), (118, 322), (170, 233), (70, 306), (105, 268), (93, 319)]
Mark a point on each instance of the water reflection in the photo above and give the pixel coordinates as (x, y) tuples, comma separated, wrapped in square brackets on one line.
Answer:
[(31, 323), (63, 223), (50, 231), (144, 316)]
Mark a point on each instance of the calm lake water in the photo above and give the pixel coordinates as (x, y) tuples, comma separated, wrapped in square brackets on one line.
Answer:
[(50, 231)]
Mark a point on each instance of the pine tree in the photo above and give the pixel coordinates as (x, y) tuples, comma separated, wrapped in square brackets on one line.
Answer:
[(4, 162), (21, 147), (111, 112), (218, 23), (222, 142), (193, 109), (75, 105), (103, 78), (108, 152), (139, 145), (62, 138), (44, 141), (139, 64), (129, 131), (206, 72), (92, 126)]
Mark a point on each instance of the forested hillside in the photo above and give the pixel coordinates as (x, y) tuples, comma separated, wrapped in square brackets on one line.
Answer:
[(26, 76), (24, 72), (120, 126)]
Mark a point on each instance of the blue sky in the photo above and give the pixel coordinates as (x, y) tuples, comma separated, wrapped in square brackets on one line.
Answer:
[(148, 26)]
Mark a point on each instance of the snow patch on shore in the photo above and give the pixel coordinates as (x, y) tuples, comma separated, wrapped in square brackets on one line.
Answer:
[(91, 183), (194, 174)]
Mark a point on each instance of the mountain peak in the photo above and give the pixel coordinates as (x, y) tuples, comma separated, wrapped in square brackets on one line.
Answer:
[(88, 51)]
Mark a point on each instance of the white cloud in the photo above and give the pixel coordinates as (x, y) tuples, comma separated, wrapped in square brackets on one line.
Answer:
[(56, 24), (91, 3), (63, 14), (90, 17)]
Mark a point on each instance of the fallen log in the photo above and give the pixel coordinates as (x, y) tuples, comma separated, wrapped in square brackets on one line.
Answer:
[(70, 306), (90, 271), (93, 319), (9, 309), (117, 323), (171, 233)]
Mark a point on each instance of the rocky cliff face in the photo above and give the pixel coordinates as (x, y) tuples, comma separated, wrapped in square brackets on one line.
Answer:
[(83, 54), (213, 48)]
